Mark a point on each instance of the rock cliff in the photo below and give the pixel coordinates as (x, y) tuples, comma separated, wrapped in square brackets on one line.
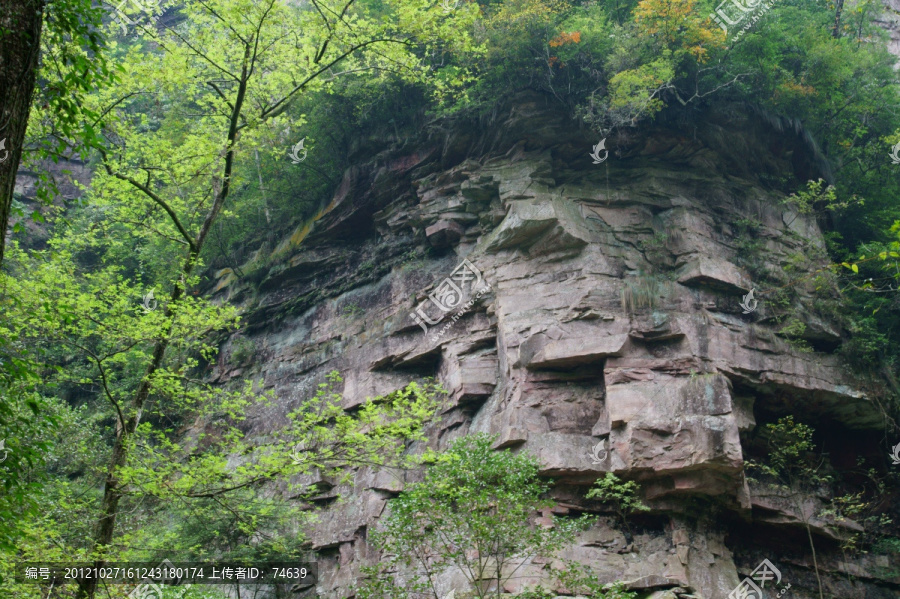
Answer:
[(611, 339)]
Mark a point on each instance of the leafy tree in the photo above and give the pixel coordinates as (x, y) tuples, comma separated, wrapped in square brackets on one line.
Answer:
[(94, 320), (621, 497), (817, 199), (27, 423), (677, 26), (57, 50), (189, 107), (798, 472), (184, 114), (473, 512), (198, 495), (20, 32), (51, 52)]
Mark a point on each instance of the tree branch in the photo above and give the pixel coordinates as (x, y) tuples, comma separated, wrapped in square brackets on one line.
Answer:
[(149, 193)]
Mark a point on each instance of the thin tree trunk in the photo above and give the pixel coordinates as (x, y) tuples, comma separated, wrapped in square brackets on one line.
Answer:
[(20, 42), (109, 507), (812, 545), (112, 493), (815, 562), (836, 31), (499, 574)]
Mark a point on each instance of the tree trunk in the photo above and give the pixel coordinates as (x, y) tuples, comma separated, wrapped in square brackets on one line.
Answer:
[(836, 32), (20, 44), (112, 494), (815, 562), (812, 545), (109, 507)]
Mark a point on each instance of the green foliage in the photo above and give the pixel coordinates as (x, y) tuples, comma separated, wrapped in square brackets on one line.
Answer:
[(475, 512), (790, 453), (654, 243), (887, 546), (537, 592), (193, 108), (28, 422), (411, 260), (199, 498), (351, 310), (242, 350), (622, 497), (854, 506), (749, 226), (96, 314), (50, 477), (644, 291), (635, 93), (806, 201), (579, 578), (750, 247), (864, 506), (508, 52), (794, 329), (792, 465), (867, 345), (322, 437), (75, 63), (817, 199)]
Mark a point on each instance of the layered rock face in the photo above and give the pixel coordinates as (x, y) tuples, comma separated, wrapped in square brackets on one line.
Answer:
[(889, 20), (612, 337)]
